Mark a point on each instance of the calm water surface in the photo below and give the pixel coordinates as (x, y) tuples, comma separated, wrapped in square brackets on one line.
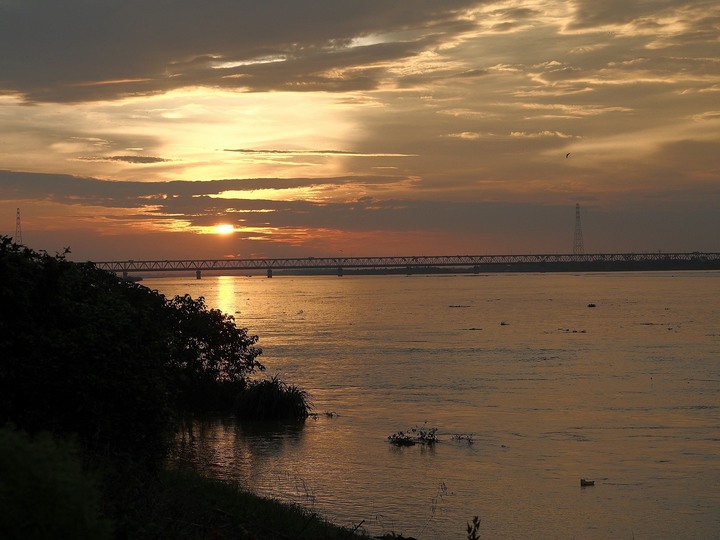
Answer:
[(626, 393)]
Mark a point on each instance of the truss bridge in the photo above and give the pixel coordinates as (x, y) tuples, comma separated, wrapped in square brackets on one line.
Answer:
[(425, 264)]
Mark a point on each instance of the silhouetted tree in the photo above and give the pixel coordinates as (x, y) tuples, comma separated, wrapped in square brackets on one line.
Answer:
[(211, 356), (83, 352), (88, 353)]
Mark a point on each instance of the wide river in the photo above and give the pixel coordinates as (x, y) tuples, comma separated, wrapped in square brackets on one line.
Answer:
[(533, 381)]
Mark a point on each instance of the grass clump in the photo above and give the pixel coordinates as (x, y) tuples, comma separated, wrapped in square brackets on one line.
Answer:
[(273, 399)]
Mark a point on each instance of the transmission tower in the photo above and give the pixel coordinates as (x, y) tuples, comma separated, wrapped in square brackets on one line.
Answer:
[(578, 247), (18, 229)]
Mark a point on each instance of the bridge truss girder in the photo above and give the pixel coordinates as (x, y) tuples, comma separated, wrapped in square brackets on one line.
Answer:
[(459, 261)]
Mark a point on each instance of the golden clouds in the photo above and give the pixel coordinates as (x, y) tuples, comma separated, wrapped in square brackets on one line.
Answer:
[(283, 120)]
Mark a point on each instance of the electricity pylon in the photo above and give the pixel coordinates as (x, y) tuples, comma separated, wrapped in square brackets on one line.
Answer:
[(578, 247), (18, 228)]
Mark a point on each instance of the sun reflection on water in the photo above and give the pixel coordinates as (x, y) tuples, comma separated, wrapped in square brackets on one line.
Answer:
[(226, 294)]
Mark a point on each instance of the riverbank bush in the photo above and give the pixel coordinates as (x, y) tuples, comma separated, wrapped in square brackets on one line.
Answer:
[(84, 354), (112, 364)]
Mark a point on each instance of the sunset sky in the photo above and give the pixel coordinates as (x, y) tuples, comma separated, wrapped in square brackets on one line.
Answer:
[(168, 129)]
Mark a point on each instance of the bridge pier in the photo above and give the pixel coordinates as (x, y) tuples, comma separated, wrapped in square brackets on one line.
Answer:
[(198, 274), (269, 272), (125, 274), (340, 271)]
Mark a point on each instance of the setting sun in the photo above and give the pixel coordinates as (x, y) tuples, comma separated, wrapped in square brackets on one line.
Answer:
[(225, 228)]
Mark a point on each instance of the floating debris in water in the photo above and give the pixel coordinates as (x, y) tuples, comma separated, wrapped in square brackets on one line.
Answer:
[(417, 435), (328, 414), (467, 437)]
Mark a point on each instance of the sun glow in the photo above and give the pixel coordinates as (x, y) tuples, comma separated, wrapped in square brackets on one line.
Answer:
[(224, 228), (204, 123)]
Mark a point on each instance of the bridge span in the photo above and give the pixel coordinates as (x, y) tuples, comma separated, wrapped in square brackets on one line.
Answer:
[(427, 264)]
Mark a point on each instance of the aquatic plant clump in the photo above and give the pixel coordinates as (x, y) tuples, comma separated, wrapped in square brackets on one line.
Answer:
[(417, 435), (469, 438), (402, 439)]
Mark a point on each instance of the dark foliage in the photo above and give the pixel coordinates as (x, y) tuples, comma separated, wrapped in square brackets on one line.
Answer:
[(211, 355), (110, 364), (87, 353), (44, 491), (182, 505), (81, 355)]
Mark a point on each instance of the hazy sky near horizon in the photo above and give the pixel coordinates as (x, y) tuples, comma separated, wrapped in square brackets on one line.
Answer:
[(132, 129)]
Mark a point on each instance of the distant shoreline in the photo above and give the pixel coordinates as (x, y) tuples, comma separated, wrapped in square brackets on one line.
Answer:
[(549, 267)]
